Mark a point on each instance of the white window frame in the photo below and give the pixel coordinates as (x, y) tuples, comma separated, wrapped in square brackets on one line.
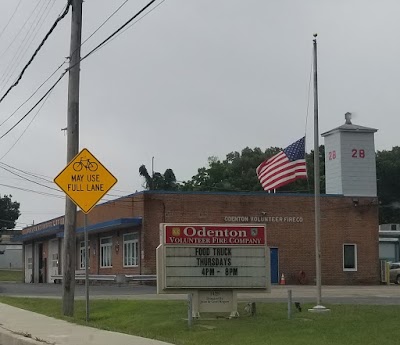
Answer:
[(29, 263), (82, 261), (353, 269), (131, 247), (106, 250), (54, 260)]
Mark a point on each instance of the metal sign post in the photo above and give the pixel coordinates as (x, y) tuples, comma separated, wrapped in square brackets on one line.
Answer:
[(86, 266)]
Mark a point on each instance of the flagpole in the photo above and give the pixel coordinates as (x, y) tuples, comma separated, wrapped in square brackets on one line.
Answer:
[(317, 189)]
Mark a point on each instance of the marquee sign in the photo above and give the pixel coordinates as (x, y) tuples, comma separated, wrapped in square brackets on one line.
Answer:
[(214, 256)]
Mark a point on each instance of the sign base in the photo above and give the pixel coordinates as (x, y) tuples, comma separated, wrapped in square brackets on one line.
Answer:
[(215, 301)]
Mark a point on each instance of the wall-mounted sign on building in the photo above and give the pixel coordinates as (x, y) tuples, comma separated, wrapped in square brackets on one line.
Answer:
[(263, 219), (85, 180), (213, 261)]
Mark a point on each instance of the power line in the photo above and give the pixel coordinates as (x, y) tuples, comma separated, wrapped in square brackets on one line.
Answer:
[(19, 31), (23, 132), (30, 38), (32, 191), (58, 68), (61, 16), (87, 55), (109, 17), (139, 19), (118, 30), (29, 180), (11, 18), (22, 42), (37, 103), (37, 50), (29, 173)]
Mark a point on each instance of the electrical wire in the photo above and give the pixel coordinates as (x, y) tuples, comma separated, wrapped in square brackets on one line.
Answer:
[(109, 17), (33, 34), (63, 74), (37, 50), (117, 31), (38, 176), (11, 18), (34, 93), (26, 128), (138, 20), (70, 67), (61, 16), (37, 103), (32, 191), (14, 39), (22, 43), (29, 180)]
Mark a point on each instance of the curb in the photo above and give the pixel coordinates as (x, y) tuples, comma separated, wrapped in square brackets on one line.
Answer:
[(8, 337)]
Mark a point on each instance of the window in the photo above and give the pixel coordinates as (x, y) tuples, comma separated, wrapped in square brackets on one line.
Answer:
[(131, 249), (349, 257), (54, 260), (29, 263), (82, 256), (106, 252)]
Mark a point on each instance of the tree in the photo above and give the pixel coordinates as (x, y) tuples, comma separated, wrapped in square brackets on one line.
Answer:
[(388, 183), (238, 173), (157, 181), (9, 212)]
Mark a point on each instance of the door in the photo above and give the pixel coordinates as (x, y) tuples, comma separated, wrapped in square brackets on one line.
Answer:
[(274, 265), (38, 266), (52, 262), (28, 264)]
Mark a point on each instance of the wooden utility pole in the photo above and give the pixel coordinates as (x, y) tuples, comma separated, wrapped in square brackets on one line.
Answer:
[(69, 258)]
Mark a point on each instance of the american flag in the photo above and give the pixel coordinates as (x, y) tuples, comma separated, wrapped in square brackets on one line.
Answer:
[(283, 168)]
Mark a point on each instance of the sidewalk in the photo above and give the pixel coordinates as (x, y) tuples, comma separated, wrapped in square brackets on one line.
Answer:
[(40, 329)]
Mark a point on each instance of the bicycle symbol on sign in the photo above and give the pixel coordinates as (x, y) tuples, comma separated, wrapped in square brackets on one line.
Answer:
[(85, 163)]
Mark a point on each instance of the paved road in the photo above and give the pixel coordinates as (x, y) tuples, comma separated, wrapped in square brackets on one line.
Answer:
[(380, 294)]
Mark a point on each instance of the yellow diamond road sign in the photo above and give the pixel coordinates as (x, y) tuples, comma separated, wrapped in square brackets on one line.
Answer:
[(85, 180)]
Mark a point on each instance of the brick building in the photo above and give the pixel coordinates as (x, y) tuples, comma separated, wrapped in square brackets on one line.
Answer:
[(124, 233)]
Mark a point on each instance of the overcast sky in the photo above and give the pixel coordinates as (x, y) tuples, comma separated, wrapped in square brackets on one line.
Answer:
[(193, 79)]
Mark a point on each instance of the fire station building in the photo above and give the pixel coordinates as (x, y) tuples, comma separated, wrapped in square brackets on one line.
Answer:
[(124, 233)]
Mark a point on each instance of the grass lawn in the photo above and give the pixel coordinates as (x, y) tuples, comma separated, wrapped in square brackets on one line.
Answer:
[(165, 320), (11, 275)]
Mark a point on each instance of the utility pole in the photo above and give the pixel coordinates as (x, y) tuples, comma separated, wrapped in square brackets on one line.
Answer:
[(69, 258)]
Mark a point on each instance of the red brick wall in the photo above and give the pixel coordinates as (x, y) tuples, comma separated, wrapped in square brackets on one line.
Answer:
[(341, 222), (121, 208), (117, 256)]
